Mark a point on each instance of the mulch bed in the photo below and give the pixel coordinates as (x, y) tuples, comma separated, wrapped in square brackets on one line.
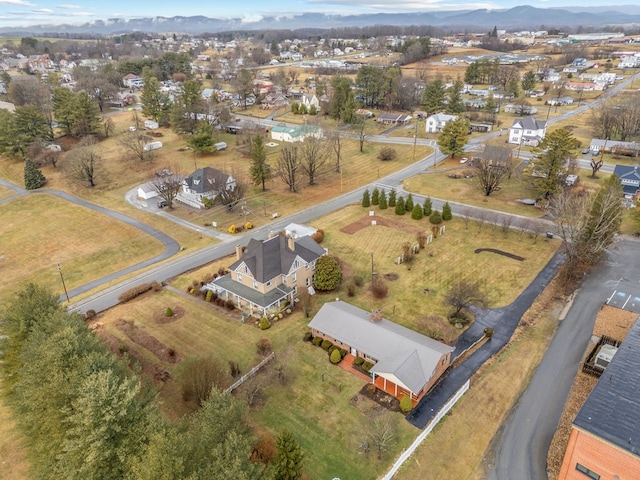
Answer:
[(161, 318), (500, 252), (385, 222), (391, 276), (148, 342), (381, 398)]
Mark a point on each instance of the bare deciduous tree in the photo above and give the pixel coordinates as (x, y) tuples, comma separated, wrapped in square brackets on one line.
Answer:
[(313, 157), (85, 162), (168, 186), (462, 295), (505, 223), (199, 375), (289, 166), (133, 143), (382, 435)]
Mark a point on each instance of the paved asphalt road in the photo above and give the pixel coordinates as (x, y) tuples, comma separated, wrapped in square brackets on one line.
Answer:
[(521, 451)]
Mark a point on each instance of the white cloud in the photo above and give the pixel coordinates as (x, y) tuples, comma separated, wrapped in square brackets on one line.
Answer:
[(21, 3), (253, 18), (42, 11), (67, 6)]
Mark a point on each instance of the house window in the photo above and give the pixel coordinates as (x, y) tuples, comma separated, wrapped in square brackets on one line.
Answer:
[(296, 264), (269, 283), (293, 277), (255, 284), (308, 282), (239, 278), (295, 292), (284, 279), (313, 266), (587, 472), (246, 269)]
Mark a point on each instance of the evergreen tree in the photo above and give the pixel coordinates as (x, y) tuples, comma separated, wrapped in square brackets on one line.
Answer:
[(259, 169), (366, 200), (435, 217), (455, 104), (383, 200), (408, 205), (528, 81), (33, 177), (202, 140), (400, 209), (375, 196), (427, 207), (446, 211), (416, 212), (433, 98), (550, 162), (392, 198), (155, 104), (454, 137), (288, 461)]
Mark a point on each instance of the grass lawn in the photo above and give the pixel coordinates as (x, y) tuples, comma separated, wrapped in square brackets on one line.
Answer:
[(457, 448), (326, 422), (449, 258), (42, 230), (13, 461)]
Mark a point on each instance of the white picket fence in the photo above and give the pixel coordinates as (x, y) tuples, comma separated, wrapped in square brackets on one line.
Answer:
[(404, 456), (250, 373)]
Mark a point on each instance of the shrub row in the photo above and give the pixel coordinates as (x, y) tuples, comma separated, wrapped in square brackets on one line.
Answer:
[(139, 290)]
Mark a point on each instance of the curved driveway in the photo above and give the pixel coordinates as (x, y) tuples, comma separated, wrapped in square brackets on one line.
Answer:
[(171, 247)]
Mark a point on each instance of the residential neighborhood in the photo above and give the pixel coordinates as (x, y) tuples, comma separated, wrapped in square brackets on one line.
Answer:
[(241, 252)]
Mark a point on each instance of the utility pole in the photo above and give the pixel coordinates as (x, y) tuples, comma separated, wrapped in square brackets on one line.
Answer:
[(63, 284)]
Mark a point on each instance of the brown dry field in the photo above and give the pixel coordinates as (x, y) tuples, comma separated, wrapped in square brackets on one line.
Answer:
[(613, 322)]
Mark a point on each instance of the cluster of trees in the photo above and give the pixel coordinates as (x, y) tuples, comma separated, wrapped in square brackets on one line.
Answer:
[(402, 206), (85, 414), (617, 118)]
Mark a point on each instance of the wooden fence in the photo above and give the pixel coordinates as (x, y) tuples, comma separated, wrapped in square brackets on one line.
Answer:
[(250, 373)]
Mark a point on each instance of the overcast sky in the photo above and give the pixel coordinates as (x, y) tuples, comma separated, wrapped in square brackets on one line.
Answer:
[(26, 12)]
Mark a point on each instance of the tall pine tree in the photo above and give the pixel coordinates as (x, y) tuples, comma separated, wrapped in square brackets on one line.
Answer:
[(33, 177)]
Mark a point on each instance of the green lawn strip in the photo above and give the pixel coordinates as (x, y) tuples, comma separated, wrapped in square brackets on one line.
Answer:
[(40, 231)]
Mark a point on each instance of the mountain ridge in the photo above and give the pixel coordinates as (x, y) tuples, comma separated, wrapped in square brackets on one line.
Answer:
[(479, 20)]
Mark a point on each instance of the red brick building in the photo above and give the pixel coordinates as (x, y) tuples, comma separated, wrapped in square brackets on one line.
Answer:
[(605, 436)]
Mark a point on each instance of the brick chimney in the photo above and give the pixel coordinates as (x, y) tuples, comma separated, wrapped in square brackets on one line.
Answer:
[(291, 244), (239, 251)]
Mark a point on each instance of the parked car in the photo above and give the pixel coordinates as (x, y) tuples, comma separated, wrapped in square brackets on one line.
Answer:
[(585, 151), (162, 203), (464, 160)]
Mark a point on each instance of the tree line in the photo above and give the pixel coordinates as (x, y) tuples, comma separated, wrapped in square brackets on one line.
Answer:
[(85, 414)]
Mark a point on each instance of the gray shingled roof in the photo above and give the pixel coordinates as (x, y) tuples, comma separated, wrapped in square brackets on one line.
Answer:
[(206, 179), (612, 411), (262, 299), (266, 260), (408, 355), (529, 123)]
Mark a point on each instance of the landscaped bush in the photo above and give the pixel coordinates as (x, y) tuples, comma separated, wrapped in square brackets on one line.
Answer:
[(416, 212), (248, 225), (400, 209), (366, 366), (264, 324), (435, 217), (358, 361), (209, 295), (317, 341), (232, 229), (228, 304), (308, 336), (332, 348), (318, 236), (168, 312), (326, 345), (263, 346), (371, 388), (379, 288), (90, 314), (351, 289), (387, 154), (392, 198), (139, 290), (405, 404), (335, 356), (343, 352), (488, 332), (328, 274)]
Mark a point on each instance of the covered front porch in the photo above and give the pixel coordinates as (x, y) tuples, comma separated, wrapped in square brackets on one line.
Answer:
[(252, 301), (395, 388)]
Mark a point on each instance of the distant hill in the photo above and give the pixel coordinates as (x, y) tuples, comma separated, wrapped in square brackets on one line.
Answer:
[(522, 17)]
